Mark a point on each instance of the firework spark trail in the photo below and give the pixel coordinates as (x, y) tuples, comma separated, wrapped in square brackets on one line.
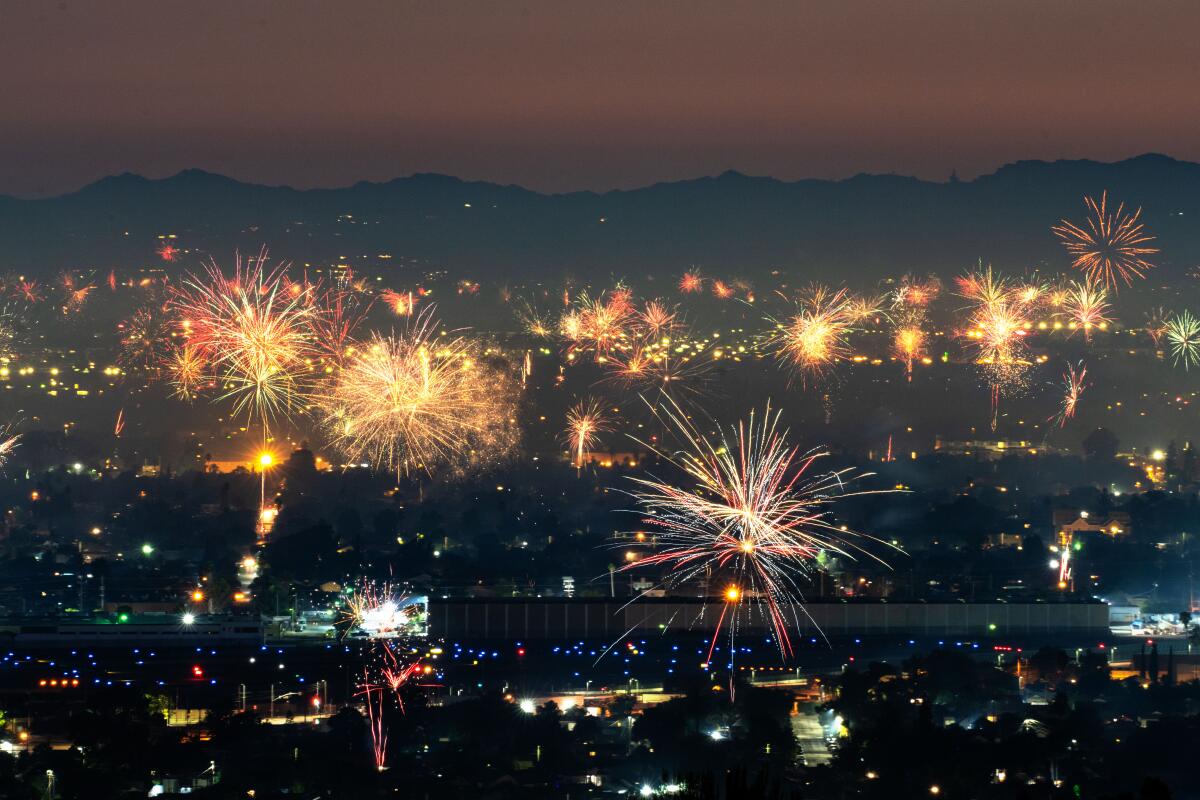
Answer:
[(584, 423), (421, 401), (1074, 383), (722, 290), (1110, 247), (748, 513), (1183, 336), (8, 443), (254, 335), (374, 697)]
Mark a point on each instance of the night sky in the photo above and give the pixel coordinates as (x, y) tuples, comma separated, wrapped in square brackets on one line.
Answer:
[(563, 95)]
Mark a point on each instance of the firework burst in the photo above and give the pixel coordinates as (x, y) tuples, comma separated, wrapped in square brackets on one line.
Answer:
[(255, 334), (1074, 382), (584, 424), (1183, 335), (1087, 307), (750, 516), (691, 282), (816, 337), (419, 400), (1110, 246)]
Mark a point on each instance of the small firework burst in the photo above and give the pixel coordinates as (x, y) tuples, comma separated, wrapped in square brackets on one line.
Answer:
[(1110, 247), (585, 422), (1087, 307), (656, 319), (168, 251), (1183, 335), (691, 282), (1074, 382), (722, 290)]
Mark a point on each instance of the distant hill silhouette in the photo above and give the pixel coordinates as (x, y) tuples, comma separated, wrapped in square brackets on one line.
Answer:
[(855, 230)]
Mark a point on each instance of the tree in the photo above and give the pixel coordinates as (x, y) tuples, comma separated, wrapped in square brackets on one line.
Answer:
[(1100, 445)]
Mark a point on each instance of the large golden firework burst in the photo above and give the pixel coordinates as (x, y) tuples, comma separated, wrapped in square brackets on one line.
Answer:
[(422, 401)]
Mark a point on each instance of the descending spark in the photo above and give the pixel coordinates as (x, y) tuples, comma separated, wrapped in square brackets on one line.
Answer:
[(748, 515), (584, 423), (1074, 382), (691, 282), (1109, 246), (1183, 335), (421, 401), (119, 427)]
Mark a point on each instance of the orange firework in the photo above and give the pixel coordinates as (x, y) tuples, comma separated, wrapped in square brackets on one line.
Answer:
[(168, 251), (598, 323), (909, 345), (1087, 306), (722, 290), (691, 282), (401, 303), (656, 319), (584, 423), (1108, 247)]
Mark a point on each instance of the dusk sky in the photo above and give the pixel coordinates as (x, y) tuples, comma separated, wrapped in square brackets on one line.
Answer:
[(566, 95)]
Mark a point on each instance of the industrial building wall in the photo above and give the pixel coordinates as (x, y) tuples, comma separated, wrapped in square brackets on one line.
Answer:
[(597, 619)]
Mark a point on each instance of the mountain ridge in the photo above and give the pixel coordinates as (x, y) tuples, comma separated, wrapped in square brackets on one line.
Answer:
[(862, 227)]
